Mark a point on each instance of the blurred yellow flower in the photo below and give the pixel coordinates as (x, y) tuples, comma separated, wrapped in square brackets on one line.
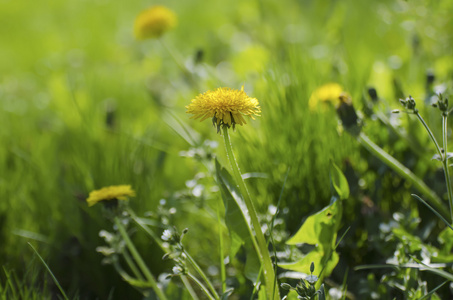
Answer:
[(329, 92), (120, 192), (225, 106), (153, 22)]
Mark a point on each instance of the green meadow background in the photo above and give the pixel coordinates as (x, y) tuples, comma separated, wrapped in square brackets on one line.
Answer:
[(84, 105)]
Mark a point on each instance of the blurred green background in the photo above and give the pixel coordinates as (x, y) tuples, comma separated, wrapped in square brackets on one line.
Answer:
[(84, 105)]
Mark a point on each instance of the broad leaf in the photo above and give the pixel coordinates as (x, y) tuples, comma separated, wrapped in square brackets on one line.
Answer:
[(319, 228), (338, 181), (237, 222), (318, 257)]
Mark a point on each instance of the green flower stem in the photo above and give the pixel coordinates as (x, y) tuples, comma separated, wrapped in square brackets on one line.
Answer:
[(141, 264), (259, 241), (202, 274), (401, 170), (431, 135), (203, 288), (132, 265), (221, 254), (189, 287), (443, 155), (445, 164)]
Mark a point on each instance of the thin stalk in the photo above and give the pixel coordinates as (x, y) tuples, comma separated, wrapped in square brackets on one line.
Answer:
[(129, 279), (132, 265), (149, 231), (55, 280), (189, 287), (141, 264), (445, 163), (401, 170), (202, 274), (431, 135), (178, 62), (203, 288), (259, 240), (221, 253)]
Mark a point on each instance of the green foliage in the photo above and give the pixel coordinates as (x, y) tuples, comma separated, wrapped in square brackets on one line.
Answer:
[(320, 230), (339, 182), (237, 222)]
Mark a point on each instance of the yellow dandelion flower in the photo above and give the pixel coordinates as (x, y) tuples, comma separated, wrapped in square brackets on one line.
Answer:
[(153, 22), (329, 92), (119, 192), (225, 106)]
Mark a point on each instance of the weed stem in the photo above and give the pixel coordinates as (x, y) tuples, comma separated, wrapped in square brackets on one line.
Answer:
[(141, 264), (445, 164), (401, 170), (202, 274)]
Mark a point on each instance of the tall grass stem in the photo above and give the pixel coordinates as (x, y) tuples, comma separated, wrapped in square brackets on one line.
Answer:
[(132, 266), (141, 264), (50, 272), (401, 170), (202, 274), (203, 288), (189, 287), (445, 163), (221, 253)]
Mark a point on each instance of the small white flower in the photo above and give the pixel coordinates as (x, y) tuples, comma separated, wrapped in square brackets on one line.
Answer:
[(177, 270), (166, 235)]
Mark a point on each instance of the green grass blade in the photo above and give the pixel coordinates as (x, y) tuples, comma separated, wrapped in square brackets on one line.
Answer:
[(433, 210), (50, 272), (427, 296)]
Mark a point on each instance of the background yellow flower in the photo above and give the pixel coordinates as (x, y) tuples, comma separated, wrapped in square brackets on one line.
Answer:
[(153, 22), (329, 92), (120, 192)]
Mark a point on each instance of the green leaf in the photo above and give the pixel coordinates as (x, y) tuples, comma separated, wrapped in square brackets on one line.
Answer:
[(237, 222), (430, 294), (446, 240), (318, 257), (181, 128), (319, 228), (292, 295), (322, 293), (338, 181), (424, 267)]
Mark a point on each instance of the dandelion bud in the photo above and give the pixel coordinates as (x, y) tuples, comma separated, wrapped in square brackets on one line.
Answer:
[(430, 77), (348, 115), (373, 94), (286, 286)]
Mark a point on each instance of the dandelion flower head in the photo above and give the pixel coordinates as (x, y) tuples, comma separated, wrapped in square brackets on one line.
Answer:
[(153, 22), (119, 192), (329, 92), (226, 106)]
